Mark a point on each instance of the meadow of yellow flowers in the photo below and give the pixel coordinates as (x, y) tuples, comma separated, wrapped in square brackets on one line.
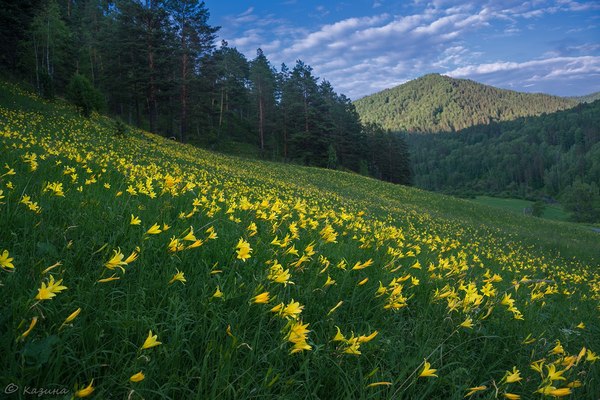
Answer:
[(137, 267)]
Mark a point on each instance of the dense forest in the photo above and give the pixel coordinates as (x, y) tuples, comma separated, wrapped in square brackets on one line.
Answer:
[(437, 103), (554, 156), (157, 64)]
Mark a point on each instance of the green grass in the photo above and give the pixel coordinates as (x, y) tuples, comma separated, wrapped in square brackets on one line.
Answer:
[(437, 262), (554, 212)]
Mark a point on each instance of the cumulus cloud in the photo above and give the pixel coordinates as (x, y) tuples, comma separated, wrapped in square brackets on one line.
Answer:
[(361, 55), (537, 75)]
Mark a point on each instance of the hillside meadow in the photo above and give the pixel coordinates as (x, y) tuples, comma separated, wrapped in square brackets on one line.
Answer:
[(137, 267)]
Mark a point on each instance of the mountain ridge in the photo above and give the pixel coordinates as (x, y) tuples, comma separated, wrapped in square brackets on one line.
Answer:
[(439, 103)]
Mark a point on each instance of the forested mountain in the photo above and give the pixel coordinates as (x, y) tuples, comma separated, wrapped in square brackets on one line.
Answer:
[(154, 64), (555, 155), (587, 98), (437, 103)]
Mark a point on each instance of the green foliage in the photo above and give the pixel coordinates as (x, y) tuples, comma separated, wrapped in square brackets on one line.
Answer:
[(332, 160), (583, 201), (120, 128), (437, 103), (84, 96), (537, 208), (528, 158)]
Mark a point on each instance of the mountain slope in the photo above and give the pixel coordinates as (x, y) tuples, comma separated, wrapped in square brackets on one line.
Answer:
[(527, 157), (437, 103), (135, 266), (587, 98)]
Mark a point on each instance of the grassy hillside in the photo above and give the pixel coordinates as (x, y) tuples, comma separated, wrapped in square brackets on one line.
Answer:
[(437, 103), (554, 211), (137, 267)]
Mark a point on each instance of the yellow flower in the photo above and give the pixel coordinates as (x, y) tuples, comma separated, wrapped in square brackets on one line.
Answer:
[(581, 325), (150, 341), (514, 376), (6, 261), (475, 389), (360, 265), (86, 391), (537, 366), (218, 293), (190, 236), (353, 346), (591, 356), (427, 371), (338, 336), (137, 377), (175, 245), (512, 396), (132, 257), (279, 275), (31, 326), (252, 229), (335, 307), (212, 234), (560, 392), (553, 374), (154, 230), (178, 277), (558, 349), (116, 261), (262, 298), (298, 335), (292, 310), (363, 281), (72, 316), (47, 292), (243, 250), (134, 220), (467, 323), (113, 277), (366, 339), (298, 332), (329, 281), (375, 384)]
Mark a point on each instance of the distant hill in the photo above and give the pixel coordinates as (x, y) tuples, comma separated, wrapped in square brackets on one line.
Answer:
[(587, 98), (438, 103)]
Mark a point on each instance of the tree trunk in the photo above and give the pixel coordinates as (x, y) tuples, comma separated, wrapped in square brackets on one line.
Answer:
[(151, 90), (184, 74), (221, 111), (261, 119)]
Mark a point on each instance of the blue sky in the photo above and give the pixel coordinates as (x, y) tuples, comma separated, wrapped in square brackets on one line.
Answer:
[(364, 46)]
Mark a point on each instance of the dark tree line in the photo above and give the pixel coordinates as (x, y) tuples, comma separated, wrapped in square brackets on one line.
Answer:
[(155, 64), (551, 156)]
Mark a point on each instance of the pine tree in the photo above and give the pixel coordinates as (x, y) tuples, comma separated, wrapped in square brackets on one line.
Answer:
[(262, 77)]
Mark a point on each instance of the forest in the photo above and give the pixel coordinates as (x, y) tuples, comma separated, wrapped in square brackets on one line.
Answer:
[(555, 157), (437, 103), (158, 65)]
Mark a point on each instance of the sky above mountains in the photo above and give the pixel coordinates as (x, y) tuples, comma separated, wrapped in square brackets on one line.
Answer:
[(364, 46)]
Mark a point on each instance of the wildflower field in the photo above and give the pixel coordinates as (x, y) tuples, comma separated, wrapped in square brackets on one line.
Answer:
[(137, 267)]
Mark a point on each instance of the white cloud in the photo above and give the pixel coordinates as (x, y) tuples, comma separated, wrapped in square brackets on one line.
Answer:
[(360, 55), (555, 74)]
